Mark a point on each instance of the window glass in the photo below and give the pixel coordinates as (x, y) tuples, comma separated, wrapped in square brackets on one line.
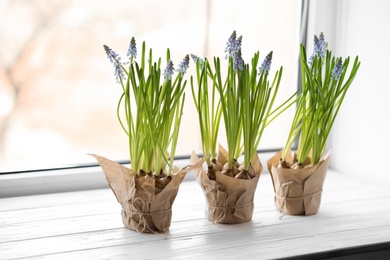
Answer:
[(58, 95)]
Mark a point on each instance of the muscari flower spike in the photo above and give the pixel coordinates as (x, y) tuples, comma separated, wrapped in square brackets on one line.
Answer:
[(132, 50), (183, 66), (115, 59), (196, 58), (311, 60), (233, 45), (233, 49), (168, 72), (337, 70), (266, 65), (319, 48), (238, 43), (322, 44), (238, 62), (319, 45)]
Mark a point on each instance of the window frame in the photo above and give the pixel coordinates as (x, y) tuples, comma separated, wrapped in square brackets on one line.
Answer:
[(77, 178)]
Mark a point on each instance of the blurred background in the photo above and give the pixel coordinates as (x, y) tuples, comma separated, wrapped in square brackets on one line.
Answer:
[(58, 94)]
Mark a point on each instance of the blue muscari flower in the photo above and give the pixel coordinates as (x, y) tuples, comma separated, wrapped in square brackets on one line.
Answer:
[(319, 48), (320, 45), (230, 45), (311, 60), (238, 43), (119, 74), (233, 49), (115, 59), (337, 70), (184, 64), (195, 58), (132, 50), (317, 45), (168, 72), (233, 45), (238, 62), (111, 55), (266, 65)]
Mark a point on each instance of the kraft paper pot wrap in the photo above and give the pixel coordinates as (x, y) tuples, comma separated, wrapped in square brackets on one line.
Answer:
[(298, 191), (145, 208), (229, 200)]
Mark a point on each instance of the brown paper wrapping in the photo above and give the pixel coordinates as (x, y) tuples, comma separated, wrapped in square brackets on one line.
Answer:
[(229, 200), (145, 208), (298, 191)]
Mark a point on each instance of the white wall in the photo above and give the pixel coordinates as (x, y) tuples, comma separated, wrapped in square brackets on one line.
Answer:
[(360, 138)]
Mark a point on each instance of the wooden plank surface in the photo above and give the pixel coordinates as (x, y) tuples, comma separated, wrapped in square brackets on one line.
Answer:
[(87, 224)]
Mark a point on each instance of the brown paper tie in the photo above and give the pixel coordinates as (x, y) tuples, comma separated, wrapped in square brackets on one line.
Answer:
[(225, 208), (141, 214), (287, 186)]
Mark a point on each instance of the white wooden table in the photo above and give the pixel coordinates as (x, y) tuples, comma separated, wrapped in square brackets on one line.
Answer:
[(353, 218)]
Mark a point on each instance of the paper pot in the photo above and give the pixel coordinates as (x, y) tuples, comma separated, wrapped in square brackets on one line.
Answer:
[(229, 200), (298, 191), (145, 208)]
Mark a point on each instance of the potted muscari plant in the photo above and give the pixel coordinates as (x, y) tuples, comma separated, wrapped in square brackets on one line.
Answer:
[(298, 176), (244, 99), (149, 111)]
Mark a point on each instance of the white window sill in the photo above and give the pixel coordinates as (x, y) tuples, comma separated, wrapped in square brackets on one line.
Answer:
[(353, 222)]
